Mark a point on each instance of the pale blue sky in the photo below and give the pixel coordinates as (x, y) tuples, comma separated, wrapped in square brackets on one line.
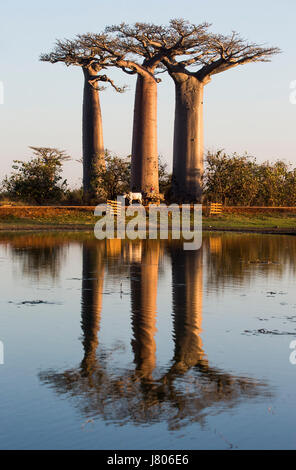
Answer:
[(246, 109)]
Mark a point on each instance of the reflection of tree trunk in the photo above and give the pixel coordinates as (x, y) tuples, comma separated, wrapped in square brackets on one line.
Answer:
[(188, 139), (144, 171), (144, 279), (92, 135), (100, 391), (187, 286), (91, 302)]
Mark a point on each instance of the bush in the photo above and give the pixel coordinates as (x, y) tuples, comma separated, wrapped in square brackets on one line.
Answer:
[(114, 179), (240, 180), (74, 197), (38, 180), (165, 179)]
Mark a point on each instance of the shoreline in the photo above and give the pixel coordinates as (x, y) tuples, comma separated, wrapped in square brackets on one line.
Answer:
[(87, 228), (264, 220)]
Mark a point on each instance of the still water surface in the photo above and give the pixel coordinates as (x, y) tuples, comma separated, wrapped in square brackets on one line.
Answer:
[(140, 345)]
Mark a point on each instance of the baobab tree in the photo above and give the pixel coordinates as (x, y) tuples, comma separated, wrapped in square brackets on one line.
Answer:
[(127, 45), (74, 52), (137, 51), (210, 54), (182, 48), (191, 55)]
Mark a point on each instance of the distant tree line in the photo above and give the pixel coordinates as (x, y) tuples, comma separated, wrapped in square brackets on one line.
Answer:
[(236, 180), (233, 180)]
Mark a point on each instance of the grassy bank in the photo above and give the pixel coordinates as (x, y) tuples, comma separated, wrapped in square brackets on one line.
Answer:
[(250, 222), (37, 217), (81, 218)]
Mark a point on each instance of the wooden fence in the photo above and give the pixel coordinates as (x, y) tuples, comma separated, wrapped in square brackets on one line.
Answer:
[(113, 207), (215, 208)]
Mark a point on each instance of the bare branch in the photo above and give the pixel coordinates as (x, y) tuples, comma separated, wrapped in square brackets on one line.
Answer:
[(211, 53), (144, 48), (104, 78), (80, 52)]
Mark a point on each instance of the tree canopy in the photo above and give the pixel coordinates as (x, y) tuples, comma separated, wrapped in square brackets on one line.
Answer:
[(78, 53), (189, 48)]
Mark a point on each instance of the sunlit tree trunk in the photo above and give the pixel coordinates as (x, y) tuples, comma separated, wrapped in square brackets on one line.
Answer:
[(187, 284), (188, 139), (144, 279), (91, 302), (144, 171), (92, 132)]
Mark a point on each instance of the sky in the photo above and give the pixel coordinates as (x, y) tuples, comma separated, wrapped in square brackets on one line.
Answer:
[(247, 109)]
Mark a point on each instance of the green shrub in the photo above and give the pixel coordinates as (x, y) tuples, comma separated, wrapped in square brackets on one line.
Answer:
[(38, 180)]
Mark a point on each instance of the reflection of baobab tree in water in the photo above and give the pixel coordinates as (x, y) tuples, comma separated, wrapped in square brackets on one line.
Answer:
[(184, 391), (187, 285), (205, 385), (239, 257), (91, 303), (39, 255), (144, 277)]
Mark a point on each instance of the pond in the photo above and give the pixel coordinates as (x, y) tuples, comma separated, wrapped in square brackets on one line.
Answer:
[(140, 345)]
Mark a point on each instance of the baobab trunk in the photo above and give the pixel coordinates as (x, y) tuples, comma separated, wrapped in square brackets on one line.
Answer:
[(92, 135), (144, 168), (188, 139)]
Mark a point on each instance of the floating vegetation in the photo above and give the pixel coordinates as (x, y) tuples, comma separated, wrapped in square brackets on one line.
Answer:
[(263, 331), (34, 302)]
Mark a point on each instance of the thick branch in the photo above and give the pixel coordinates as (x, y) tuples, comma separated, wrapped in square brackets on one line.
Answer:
[(104, 78)]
